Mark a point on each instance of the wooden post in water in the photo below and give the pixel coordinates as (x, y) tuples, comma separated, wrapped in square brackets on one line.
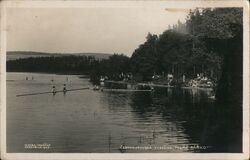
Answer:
[(109, 141), (154, 136), (154, 133), (140, 140)]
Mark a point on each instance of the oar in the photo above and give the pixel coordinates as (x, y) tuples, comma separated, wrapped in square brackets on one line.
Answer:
[(30, 94)]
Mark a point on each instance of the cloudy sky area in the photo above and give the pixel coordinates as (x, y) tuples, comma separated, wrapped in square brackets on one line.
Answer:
[(75, 30)]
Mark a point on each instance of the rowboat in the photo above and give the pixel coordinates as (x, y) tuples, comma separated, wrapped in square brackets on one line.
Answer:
[(38, 93)]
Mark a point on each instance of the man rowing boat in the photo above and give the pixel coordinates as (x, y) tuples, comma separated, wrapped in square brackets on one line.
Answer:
[(53, 90), (64, 89)]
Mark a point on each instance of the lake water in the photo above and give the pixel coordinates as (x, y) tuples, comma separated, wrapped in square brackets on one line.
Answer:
[(84, 121)]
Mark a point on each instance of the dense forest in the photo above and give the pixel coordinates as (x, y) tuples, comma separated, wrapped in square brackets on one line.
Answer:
[(210, 42)]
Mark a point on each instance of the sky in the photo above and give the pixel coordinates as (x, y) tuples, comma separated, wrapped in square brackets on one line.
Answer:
[(78, 30)]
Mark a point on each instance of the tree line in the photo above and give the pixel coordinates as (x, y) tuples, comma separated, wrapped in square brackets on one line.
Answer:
[(53, 64), (209, 42)]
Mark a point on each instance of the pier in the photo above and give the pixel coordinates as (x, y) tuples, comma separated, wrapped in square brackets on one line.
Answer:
[(133, 85)]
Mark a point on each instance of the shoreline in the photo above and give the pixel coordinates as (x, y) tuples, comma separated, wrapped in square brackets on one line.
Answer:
[(66, 73), (148, 83)]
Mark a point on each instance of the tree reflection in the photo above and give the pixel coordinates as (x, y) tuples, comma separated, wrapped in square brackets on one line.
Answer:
[(203, 120)]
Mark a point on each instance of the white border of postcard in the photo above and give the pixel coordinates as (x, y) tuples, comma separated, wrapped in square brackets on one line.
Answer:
[(142, 3)]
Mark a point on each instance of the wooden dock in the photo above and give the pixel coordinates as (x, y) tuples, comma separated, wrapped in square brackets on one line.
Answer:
[(139, 84), (198, 88), (155, 85), (152, 85), (126, 90)]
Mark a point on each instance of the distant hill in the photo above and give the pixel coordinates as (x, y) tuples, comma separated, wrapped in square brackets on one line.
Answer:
[(12, 55)]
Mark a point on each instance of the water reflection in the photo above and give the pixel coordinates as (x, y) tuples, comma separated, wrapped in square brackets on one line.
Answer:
[(167, 116), (95, 121)]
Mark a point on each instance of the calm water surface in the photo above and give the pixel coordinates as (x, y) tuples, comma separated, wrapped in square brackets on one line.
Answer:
[(168, 120)]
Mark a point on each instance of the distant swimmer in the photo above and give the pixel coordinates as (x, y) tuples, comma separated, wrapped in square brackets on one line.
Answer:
[(53, 90), (64, 89), (27, 78), (32, 78), (67, 79)]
